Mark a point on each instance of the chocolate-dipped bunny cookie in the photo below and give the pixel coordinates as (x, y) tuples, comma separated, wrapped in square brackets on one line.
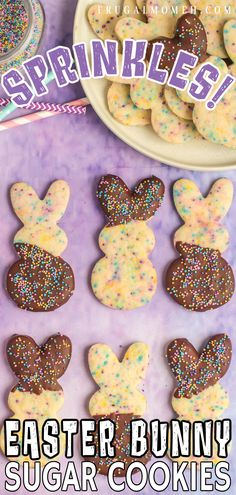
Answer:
[(199, 395), (41, 280), (125, 278), (37, 395), (200, 279), (190, 36), (118, 397)]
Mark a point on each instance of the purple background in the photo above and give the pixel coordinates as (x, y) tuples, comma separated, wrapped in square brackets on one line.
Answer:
[(79, 150)]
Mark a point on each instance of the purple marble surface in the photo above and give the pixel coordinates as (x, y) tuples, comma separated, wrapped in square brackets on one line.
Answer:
[(79, 150)]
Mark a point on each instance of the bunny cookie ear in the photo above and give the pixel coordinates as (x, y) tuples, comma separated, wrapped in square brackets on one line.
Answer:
[(115, 199), (194, 372), (215, 360), (229, 33), (30, 208), (148, 196), (23, 354), (101, 358), (56, 356), (187, 197), (24, 201), (56, 200), (136, 360), (182, 358), (220, 199), (121, 205)]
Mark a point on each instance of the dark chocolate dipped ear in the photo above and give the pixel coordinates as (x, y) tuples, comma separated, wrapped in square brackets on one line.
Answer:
[(194, 372), (214, 360), (56, 355), (148, 196), (23, 355), (121, 205), (115, 199), (183, 358), (38, 368), (190, 36)]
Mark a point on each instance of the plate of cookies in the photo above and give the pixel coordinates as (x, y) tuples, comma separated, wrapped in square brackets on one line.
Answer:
[(159, 121)]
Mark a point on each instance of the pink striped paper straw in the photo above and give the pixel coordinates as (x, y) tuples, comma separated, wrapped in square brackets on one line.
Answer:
[(50, 107), (45, 110)]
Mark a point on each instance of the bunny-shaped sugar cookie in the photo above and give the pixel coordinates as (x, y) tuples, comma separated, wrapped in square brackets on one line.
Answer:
[(41, 280), (125, 278), (217, 125), (199, 396), (37, 394), (118, 397), (201, 279)]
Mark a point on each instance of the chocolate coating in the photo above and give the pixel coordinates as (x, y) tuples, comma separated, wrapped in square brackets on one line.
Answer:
[(190, 36), (121, 444), (195, 372), (39, 281), (38, 367), (121, 205), (200, 279)]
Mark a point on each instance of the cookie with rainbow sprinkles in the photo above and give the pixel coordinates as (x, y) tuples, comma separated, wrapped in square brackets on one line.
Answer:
[(40, 280), (199, 396), (201, 279), (118, 398), (37, 394), (125, 277)]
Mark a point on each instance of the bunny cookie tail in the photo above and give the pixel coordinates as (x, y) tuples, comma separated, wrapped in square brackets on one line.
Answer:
[(121, 444), (39, 281), (199, 395), (200, 279)]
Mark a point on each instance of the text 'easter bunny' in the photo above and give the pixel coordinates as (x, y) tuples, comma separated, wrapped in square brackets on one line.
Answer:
[(118, 397), (125, 278), (199, 396), (37, 395), (200, 279), (41, 280)]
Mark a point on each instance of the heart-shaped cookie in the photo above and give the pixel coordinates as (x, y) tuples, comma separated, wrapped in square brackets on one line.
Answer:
[(121, 205), (38, 367), (195, 372), (190, 36)]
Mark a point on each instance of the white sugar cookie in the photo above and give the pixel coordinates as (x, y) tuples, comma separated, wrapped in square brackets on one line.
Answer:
[(169, 127), (159, 24), (176, 105), (123, 109), (214, 24), (103, 18), (144, 93), (219, 63), (202, 216), (118, 381), (40, 216)]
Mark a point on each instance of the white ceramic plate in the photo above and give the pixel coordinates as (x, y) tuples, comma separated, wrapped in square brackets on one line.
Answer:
[(195, 156)]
